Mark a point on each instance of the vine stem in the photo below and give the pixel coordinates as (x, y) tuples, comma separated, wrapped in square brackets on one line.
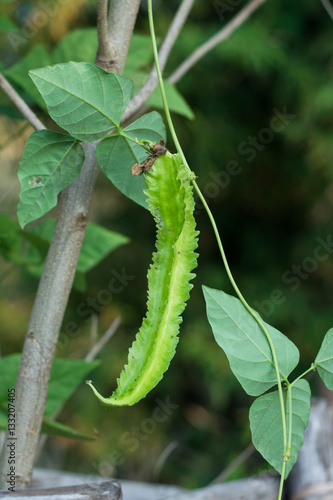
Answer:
[(219, 242), (290, 399), (311, 369)]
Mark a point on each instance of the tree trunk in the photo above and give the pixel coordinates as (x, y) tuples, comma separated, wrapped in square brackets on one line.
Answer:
[(55, 285)]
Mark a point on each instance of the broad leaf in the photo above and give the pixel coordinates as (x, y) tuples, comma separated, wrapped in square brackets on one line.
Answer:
[(66, 376), (38, 56), (10, 239), (246, 345), (3, 419), (53, 428), (140, 53), (78, 45), (116, 155), (324, 360), (50, 162), (8, 373), (98, 243), (82, 98), (176, 101), (7, 25), (266, 424)]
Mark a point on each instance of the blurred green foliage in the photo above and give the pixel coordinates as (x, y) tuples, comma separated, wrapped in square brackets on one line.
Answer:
[(271, 192)]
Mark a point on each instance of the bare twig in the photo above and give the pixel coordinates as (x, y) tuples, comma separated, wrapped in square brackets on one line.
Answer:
[(328, 7), (220, 36), (103, 340), (239, 460), (162, 459), (169, 41), (105, 52), (26, 111), (93, 330)]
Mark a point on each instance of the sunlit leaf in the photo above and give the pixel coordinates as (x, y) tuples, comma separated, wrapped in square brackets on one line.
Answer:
[(82, 98), (78, 45), (116, 155), (324, 360), (246, 345), (176, 101), (66, 376), (50, 162), (97, 244)]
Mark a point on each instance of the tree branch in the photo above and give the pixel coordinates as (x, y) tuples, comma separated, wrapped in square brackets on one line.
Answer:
[(328, 7), (103, 340), (122, 15), (26, 111), (105, 52), (55, 285), (221, 36), (140, 98)]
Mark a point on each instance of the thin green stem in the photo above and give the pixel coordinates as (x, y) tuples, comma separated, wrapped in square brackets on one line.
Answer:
[(133, 139), (283, 473), (311, 369), (290, 399), (219, 242), (161, 85), (120, 132)]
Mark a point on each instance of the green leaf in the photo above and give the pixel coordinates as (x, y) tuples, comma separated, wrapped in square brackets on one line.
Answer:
[(50, 162), (324, 360), (98, 243), (7, 25), (66, 376), (53, 428), (82, 98), (11, 112), (79, 45), (36, 57), (140, 53), (8, 374), (266, 424), (246, 345), (10, 239), (176, 101), (116, 155), (3, 420)]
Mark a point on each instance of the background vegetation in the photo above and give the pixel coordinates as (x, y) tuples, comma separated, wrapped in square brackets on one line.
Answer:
[(270, 213)]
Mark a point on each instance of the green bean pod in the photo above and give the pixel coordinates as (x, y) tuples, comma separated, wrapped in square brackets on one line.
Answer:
[(170, 199)]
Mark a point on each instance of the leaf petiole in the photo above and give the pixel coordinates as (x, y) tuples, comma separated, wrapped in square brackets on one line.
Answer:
[(312, 368)]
